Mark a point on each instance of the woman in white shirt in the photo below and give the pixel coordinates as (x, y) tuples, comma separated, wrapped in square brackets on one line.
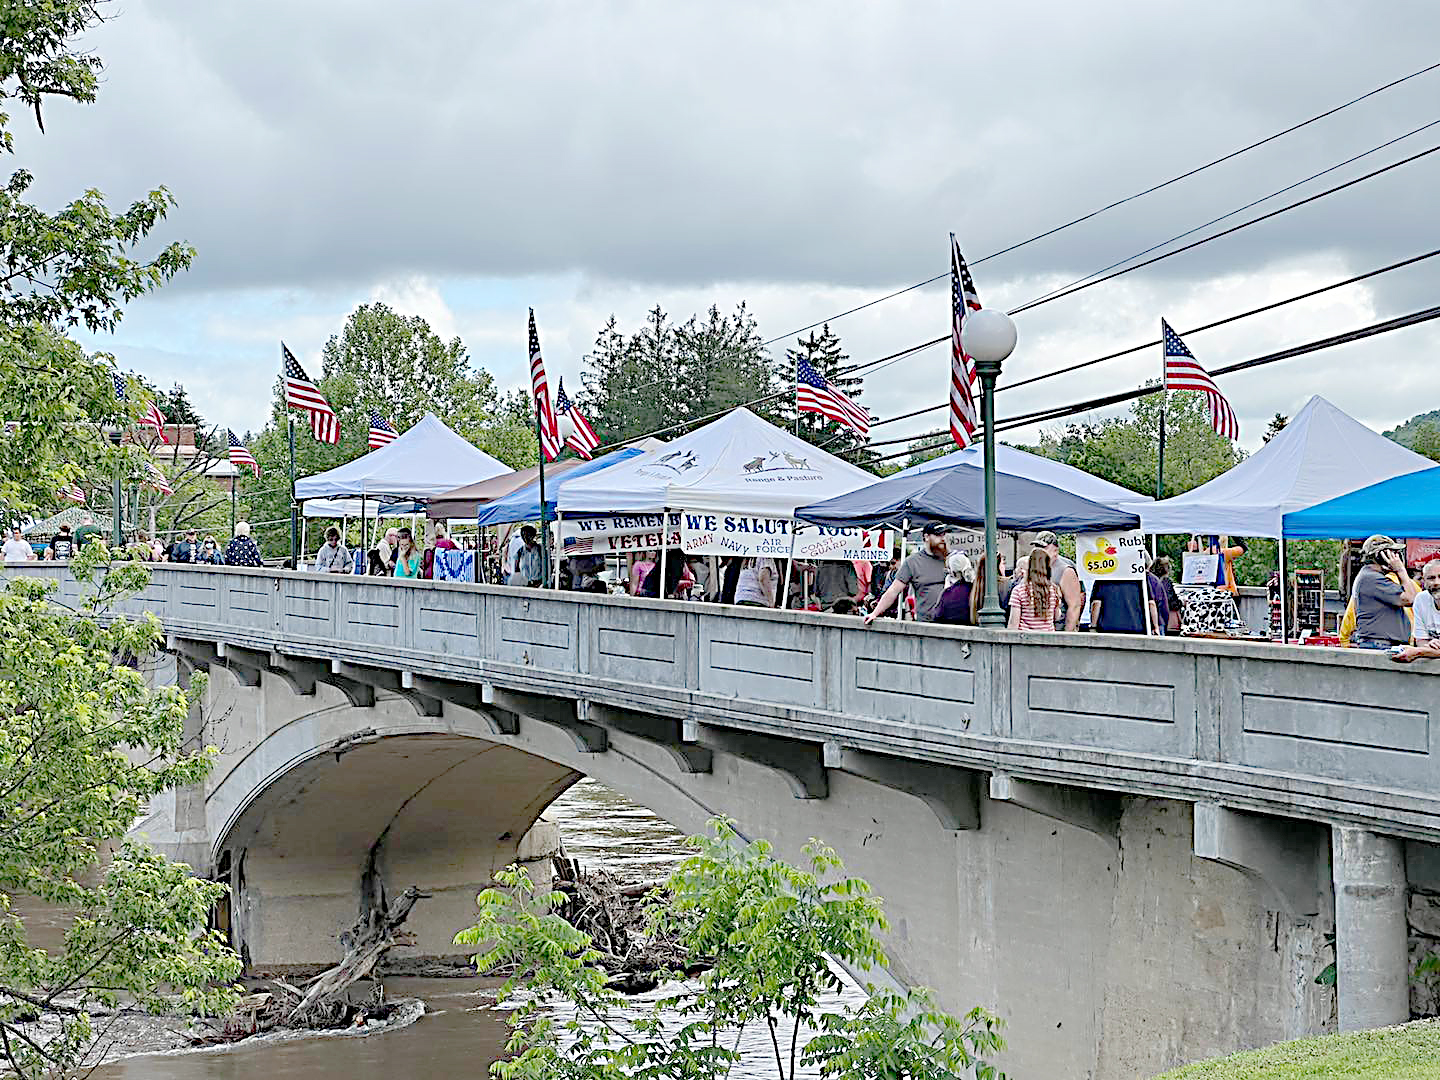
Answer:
[(756, 585)]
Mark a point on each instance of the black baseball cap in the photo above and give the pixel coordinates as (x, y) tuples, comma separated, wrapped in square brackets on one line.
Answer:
[(936, 528)]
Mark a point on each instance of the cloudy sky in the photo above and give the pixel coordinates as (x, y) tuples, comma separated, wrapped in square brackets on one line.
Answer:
[(463, 161)]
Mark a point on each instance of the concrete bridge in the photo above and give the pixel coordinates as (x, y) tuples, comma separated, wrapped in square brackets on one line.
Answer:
[(1131, 848)]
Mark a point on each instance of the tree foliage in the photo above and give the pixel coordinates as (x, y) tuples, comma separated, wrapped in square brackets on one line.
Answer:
[(85, 743), (1124, 450), (666, 373), (770, 930)]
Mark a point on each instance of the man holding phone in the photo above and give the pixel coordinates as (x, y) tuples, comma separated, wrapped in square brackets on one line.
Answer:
[(1381, 620)]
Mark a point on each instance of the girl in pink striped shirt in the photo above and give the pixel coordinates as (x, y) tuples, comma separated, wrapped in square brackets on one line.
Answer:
[(1035, 602)]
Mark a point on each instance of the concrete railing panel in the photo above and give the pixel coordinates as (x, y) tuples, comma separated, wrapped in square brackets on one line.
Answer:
[(525, 628), (775, 662), (643, 646), (1320, 721), (931, 682), (1085, 697), (447, 622)]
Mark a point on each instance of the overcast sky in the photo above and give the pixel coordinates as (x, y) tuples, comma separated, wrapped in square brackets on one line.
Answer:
[(465, 161)]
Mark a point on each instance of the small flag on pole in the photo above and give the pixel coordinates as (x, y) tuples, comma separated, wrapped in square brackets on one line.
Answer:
[(241, 456), (381, 431), (814, 393), (963, 300), (1183, 372), (301, 392), (544, 411), (153, 417), (156, 419), (156, 479), (583, 440), (72, 493)]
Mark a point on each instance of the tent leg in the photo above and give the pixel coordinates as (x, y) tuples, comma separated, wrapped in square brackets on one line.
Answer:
[(304, 527), (664, 550), (1284, 613), (559, 548)]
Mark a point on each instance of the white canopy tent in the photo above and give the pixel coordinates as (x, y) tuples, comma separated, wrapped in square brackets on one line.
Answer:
[(1320, 454), (426, 460), (348, 508), (738, 464), (1012, 462)]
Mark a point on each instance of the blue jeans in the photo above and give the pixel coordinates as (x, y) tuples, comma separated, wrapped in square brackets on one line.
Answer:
[(1370, 643)]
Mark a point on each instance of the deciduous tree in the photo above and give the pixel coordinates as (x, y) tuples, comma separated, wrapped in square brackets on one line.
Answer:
[(770, 931)]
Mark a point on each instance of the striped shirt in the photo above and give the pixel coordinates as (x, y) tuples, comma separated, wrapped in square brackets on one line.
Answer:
[(1020, 601)]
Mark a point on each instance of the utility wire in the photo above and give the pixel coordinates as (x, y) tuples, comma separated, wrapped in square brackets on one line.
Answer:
[(1226, 232), (1060, 412), (1248, 206), (1038, 302), (1156, 341), (1121, 202)]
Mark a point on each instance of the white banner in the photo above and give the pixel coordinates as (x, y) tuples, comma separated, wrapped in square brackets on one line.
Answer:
[(755, 537), (617, 533)]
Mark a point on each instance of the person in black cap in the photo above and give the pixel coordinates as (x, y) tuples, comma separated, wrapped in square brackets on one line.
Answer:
[(923, 571)]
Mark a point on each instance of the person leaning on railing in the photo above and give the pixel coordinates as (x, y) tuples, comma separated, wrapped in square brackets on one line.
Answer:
[(1426, 609)]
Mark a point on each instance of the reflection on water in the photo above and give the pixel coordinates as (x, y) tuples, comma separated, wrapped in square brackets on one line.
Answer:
[(460, 1036)]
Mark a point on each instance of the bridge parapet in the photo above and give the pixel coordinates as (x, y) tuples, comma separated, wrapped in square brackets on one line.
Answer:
[(1304, 733)]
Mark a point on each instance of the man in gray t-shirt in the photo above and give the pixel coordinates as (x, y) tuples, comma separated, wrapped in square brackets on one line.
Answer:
[(923, 571), (1380, 618)]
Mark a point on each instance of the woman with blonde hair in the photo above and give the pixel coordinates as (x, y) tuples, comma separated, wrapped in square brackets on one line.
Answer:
[(1035, 603)]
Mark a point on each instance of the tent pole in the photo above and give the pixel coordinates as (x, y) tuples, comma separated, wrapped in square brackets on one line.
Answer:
[(559, 545), (1284, 620), (664, 550), (905, 554), (304, 528), (789, 563)]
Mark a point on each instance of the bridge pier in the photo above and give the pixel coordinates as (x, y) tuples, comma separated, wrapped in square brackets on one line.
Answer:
[(1371, 933)]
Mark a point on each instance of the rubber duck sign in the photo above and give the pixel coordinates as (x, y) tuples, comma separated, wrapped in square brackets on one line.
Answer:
[(1111, 556)]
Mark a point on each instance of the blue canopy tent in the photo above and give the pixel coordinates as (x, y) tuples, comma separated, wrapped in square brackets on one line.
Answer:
[(957, 496), (1405, 505), (523, 504)]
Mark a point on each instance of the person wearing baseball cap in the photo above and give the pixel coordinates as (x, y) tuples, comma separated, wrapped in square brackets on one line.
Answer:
[(923, 571), (1381, 620)]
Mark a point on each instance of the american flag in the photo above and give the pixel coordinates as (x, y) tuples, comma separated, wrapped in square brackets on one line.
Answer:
[(239, 455), (580, 545), (963, 300), (301, 392), (156, 479), (1183, 372), (583, 440), (156, 419), (813, 393), (73, 493), (153, 416), (544, 411), (381, 431)]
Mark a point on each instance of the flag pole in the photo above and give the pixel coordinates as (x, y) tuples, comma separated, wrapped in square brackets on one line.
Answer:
[(544, 528), (294, 508), (1164, 396)]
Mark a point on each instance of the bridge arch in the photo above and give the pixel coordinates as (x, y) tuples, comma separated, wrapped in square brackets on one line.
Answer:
[(443, 802)]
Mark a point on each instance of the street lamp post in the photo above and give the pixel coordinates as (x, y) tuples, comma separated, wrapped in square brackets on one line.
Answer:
[(988, 337)]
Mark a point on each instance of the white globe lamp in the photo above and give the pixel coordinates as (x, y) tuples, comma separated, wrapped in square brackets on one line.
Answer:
[(988, 336)]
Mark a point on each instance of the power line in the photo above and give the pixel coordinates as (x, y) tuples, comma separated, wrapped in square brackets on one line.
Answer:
[(1226, 232), (1121, 202), (1077, 288), (1400, 322), (1241, 209), (1156, 341)]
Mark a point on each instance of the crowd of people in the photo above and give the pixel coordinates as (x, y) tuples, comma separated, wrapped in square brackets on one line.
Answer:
[(1388, 608)]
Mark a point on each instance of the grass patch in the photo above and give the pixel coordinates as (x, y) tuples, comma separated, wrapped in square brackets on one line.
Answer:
[(1407, 1052)]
